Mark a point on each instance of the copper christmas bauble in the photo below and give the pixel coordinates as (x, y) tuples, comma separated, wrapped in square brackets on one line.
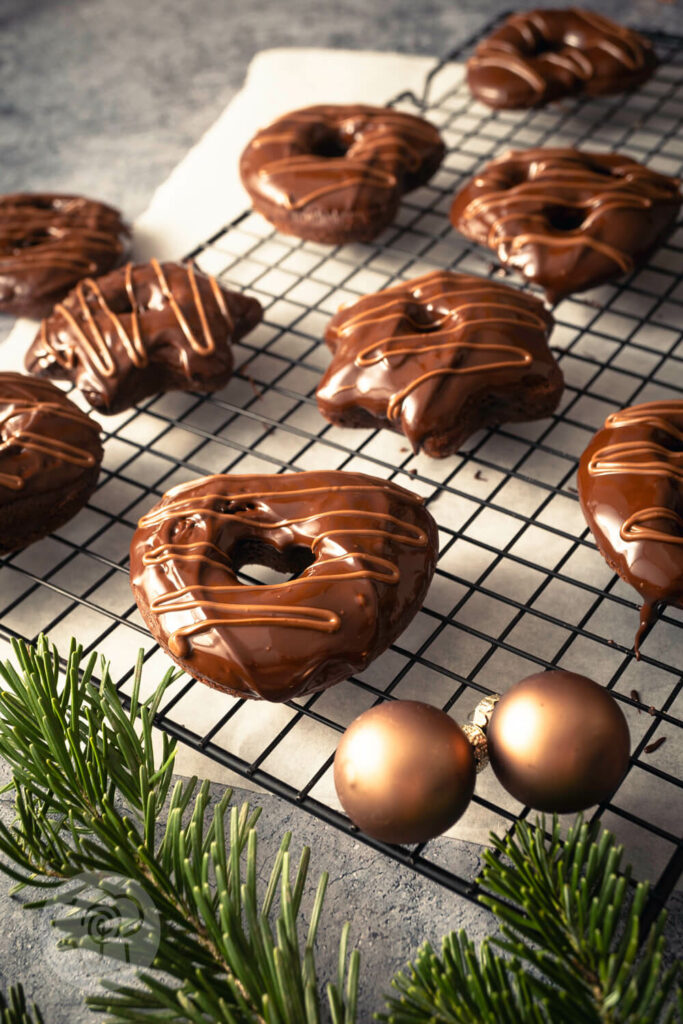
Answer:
[(404, 772), (558, 742)]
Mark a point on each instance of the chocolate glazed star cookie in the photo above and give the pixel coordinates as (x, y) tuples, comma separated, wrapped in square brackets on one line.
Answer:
[(631, 490), (50, 455), (363, 552), (141, 330), (439, 357), (50, 242), (539, 56), (566, 219), (336, 173)]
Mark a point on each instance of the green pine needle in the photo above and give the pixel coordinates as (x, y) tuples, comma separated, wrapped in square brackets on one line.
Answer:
[(93, 804), (90, 798), (570, 935), (14, 1008)]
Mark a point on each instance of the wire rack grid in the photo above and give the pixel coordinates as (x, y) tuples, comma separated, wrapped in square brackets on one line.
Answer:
[(519, 584)]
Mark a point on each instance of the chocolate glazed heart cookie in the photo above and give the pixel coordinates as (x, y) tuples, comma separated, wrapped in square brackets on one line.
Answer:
[(539, 56), (140, 330), (362, 553), (335, 173), (50, 455), (566, 219), (48, 243), (631, 490)]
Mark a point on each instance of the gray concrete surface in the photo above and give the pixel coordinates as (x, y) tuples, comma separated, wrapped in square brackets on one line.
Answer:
[(105, 98)]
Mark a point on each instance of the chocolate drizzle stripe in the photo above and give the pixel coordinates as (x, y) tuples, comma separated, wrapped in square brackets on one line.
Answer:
[(96, 345), (629, 54), (636, 528), (220, 302), (573, 60), (166, 513), (355, 168), (293, 616), (394, 406), (652, 413), (211, 596), (614, 458), (30, 441), (159, 515), (358, 173), (516, 65), (517, 242), (448, 338), (137, 352), (51, 259), (180, 316), (604, 200), (644, 457), (406, 122)]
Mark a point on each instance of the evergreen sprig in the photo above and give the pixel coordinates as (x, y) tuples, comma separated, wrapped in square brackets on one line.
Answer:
[(90, 800), (15, 1010), (89, 797), (572, 935)]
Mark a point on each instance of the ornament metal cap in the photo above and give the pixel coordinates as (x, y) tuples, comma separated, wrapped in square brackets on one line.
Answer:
[(475, 729)]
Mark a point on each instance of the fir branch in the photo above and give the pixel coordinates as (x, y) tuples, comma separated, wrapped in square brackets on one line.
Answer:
[(15, 1010), (465, 987), (89, 797), (572, 940)]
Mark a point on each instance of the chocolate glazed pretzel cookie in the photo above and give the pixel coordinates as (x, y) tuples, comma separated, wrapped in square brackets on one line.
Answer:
[(631, 490), (336, 174), (540, 56), (566, 219), (50, 455), (49, 242), (141, 330), (438, 357), (363, 551)]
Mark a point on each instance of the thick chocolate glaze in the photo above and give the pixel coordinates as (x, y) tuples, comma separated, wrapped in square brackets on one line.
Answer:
[(539, 56), (48, 243), (438, 357), (566, 219), (50, 454), (631, 490), (141, 330), (364, 550), (337, 172)]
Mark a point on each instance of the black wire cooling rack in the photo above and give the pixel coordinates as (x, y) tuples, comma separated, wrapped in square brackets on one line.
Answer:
[(519, 584)]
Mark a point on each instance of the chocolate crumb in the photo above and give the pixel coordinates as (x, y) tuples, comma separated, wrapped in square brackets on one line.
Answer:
[(404, 450), (652, 710), (480, 476), (651, 747), (413, 471), (635, 696), (573, 490)]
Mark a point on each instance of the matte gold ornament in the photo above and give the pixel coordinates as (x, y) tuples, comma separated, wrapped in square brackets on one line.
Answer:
[(558, 741), (404, 771)]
